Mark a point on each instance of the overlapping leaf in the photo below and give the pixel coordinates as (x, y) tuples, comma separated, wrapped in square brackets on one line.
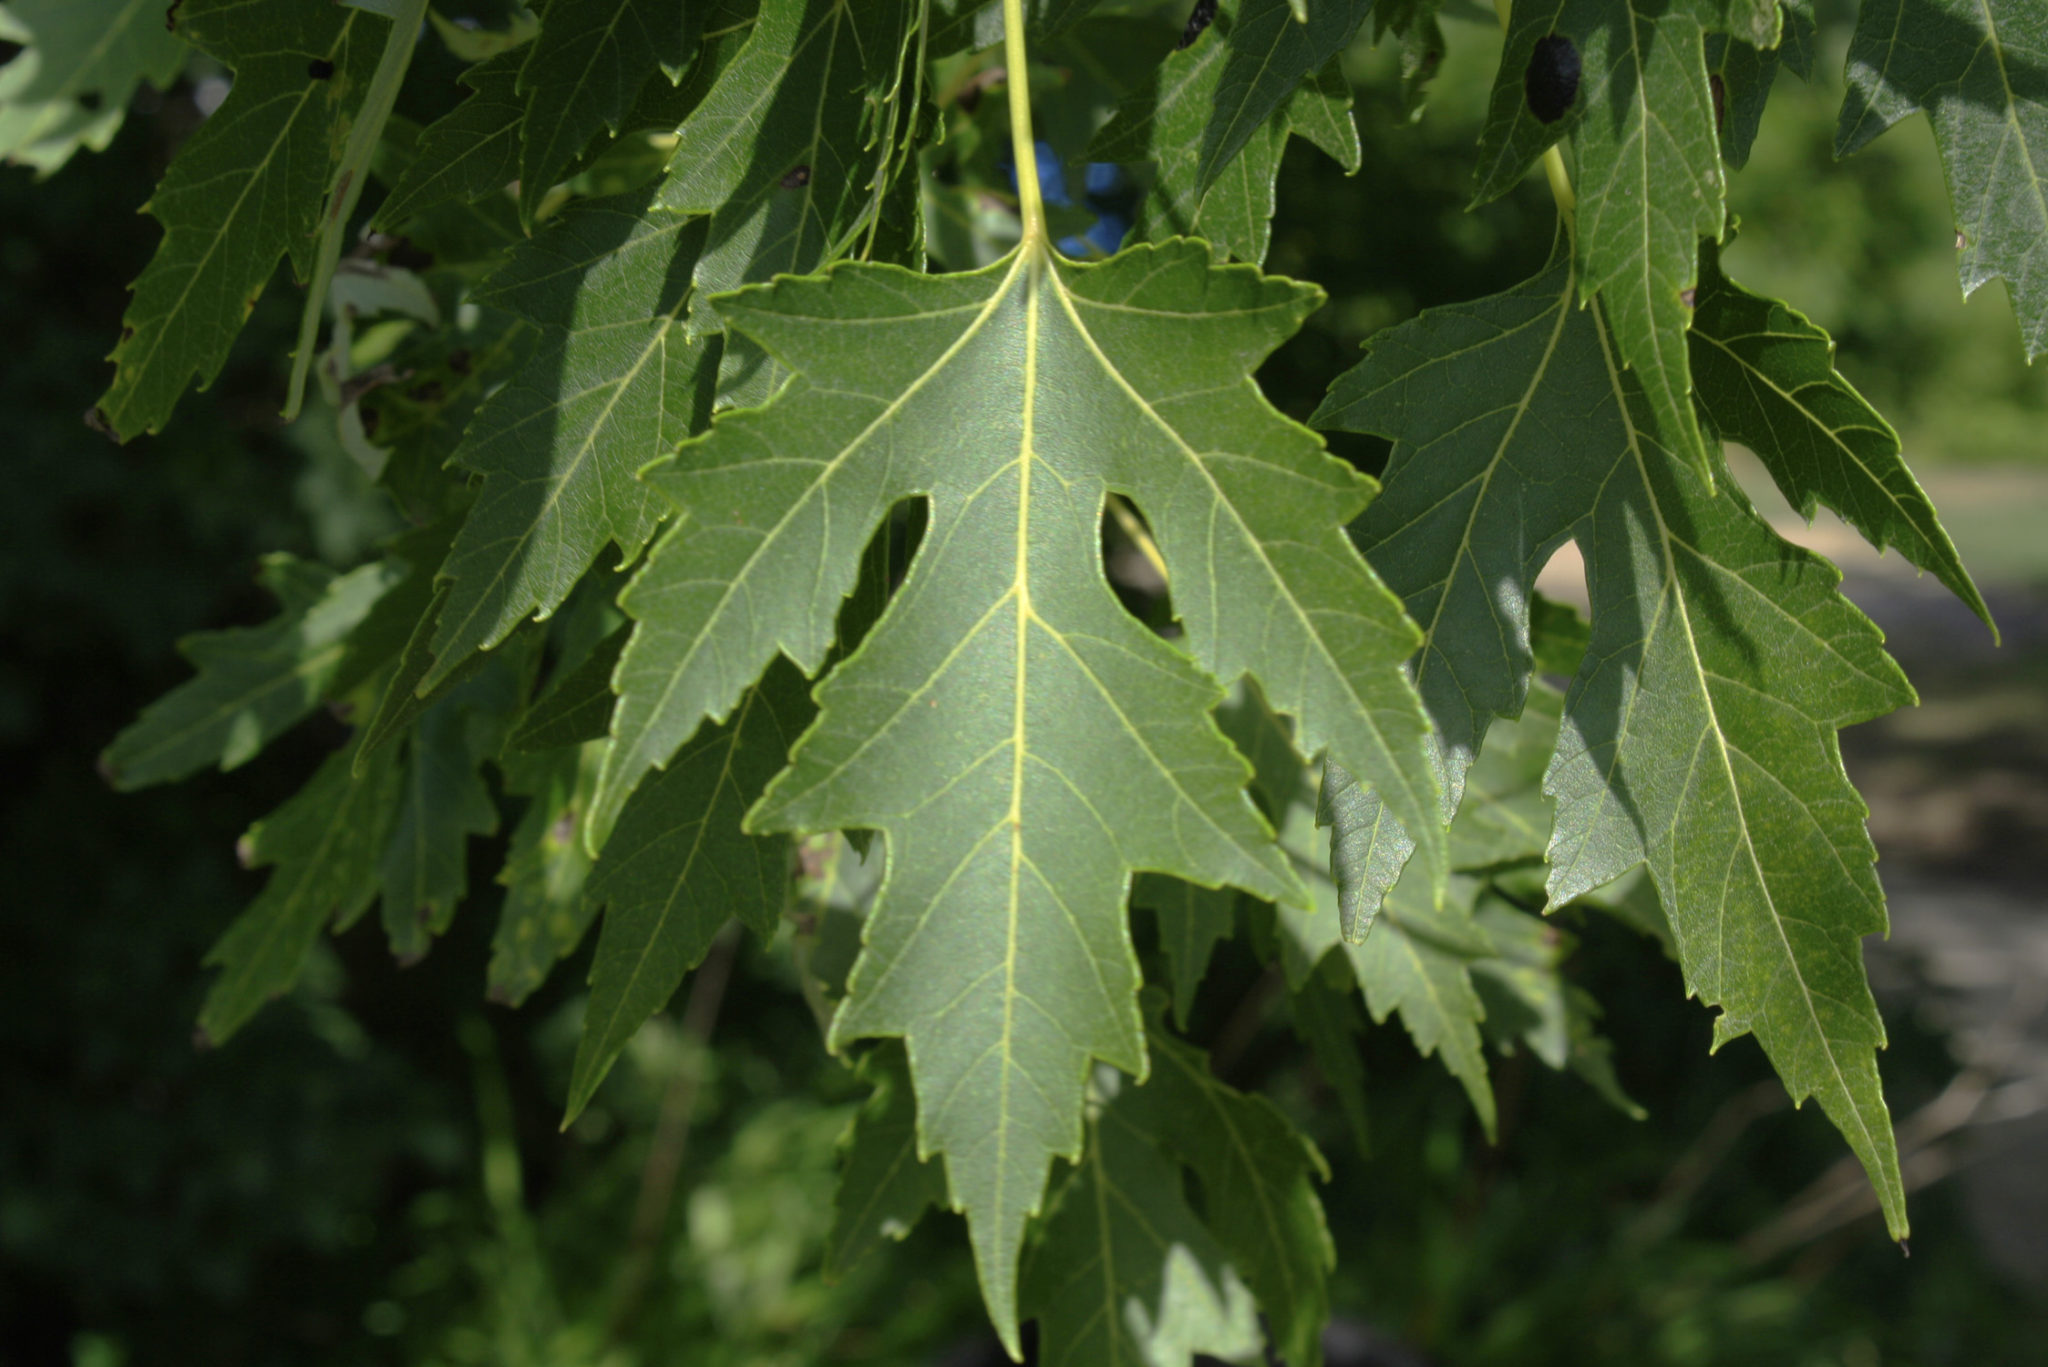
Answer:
[(1766, 378), (1215, 117), (1649, 167), (545, 913), (1979, 70), (780, 153), (584, 71), (1700, 733), (1192, 921), (325, 843), (1005, 708), (1124, 1270), (1741, 74), (82, 62), (253, 683), (884, 1186), (247, 188), (1257, 1175), (679, 867), (469, 152), (613, 382)]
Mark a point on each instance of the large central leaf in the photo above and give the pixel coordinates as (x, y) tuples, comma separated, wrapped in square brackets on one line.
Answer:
[(1022, 741)]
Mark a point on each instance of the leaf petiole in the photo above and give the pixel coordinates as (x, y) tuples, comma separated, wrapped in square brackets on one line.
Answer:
[(1030, 199), (406, 22)]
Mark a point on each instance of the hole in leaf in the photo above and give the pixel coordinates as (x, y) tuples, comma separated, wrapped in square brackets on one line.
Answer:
[(320, 69), (1129, 559), (883, 566)]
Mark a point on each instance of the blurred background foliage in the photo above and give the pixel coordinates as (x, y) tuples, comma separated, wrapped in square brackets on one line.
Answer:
[(373, 1172)]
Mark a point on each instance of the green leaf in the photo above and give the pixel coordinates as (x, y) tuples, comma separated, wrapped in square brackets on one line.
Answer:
[(1745, 73), (1124, 1270), (1192, 919), (325, 843), (1005, 706), (679, 868), (1979, 70), (583, 72), (1528, 1001), (1324, 1009), (579, 705), (1213, 97), (249, 186), (1516, 427), (1766, 378), (613, 382), (99, 49), (442, 802), (1649, 178), (1179, 118), (1258, 1176), (469, 152), (1416, 961), (253, 683), (780, 153), (545, 912), (884, 1186)]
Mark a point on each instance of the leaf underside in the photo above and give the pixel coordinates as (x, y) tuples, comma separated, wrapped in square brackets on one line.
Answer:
[(1516, 428), (1005, 708)]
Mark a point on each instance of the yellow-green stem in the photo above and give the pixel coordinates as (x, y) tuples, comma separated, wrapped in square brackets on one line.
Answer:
[(348, 183), (1030, 200)]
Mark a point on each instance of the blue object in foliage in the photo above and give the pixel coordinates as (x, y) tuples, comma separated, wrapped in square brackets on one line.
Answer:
[(1107, 190)]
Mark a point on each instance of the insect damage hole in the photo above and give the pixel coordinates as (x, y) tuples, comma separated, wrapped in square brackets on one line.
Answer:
[(1551, 82), (1131, 559)]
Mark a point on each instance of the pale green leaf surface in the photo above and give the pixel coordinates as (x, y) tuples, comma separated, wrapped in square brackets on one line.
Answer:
[(253, 683), (1006, 710), (1124, 1273), (679, 867), (584, 70), (884, 1187), (248, 187), (1766, 377), (1979, 70), (612, 383), (325, 844), (1700, 732), (1649, 177)]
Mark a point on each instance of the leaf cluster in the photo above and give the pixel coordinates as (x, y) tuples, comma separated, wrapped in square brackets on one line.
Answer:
[(814, 524)]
